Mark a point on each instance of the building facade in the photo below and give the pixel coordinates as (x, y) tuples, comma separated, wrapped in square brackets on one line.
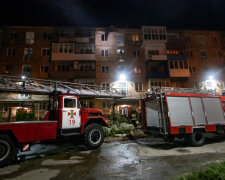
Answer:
[(129, 60)]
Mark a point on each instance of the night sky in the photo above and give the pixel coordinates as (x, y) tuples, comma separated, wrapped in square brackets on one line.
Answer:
[(179, 14)]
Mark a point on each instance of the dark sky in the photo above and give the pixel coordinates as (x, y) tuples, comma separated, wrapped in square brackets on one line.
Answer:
[(183, 14)]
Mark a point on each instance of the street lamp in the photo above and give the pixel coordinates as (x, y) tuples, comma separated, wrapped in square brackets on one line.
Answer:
[(123, 77), (211, 77)]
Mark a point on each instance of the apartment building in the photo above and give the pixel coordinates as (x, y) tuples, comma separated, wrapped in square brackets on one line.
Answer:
[(205, 53), (26, 51), (128, 60), (178, 65)]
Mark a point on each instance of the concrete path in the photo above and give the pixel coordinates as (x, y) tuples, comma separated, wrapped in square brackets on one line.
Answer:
[(147, 158)]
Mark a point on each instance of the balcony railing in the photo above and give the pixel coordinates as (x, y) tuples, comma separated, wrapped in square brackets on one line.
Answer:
[(179, 72), (156, 57)]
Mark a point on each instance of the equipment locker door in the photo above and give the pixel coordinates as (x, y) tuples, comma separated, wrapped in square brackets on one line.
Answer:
[(71, 114)]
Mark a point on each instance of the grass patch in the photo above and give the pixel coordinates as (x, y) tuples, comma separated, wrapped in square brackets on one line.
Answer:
[(212, 172)]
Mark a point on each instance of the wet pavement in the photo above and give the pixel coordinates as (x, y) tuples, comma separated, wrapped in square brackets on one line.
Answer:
[(146, 158)]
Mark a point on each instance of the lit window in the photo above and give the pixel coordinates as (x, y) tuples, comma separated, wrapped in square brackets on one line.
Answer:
[(135, 38), (28, 52), (29, 38)]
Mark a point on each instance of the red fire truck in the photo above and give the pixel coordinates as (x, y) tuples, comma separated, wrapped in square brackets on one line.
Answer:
[(64, 118), (183, 113)]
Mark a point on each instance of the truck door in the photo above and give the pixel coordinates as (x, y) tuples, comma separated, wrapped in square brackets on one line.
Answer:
[(71, 114)]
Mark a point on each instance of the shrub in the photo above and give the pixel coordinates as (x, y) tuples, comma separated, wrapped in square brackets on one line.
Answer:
[(23, 116), (215, 171)]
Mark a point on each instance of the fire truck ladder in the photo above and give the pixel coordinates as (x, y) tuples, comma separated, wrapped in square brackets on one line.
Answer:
[(47, 87), (158, 90)]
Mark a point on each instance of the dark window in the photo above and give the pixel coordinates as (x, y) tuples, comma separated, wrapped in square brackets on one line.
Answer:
[(44, 69), (181, 64), (11, 51), (69, 103), (47, 36), (176, 64), (171, 65), (185, 65), (13, 35), (105, 69), (46, 52)]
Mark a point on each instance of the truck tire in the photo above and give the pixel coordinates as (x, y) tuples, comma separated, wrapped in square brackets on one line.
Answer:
[(93, 136), (196, 138), (7, 150)]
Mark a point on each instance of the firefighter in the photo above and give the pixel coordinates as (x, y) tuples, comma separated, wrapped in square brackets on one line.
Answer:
[(133, 118)]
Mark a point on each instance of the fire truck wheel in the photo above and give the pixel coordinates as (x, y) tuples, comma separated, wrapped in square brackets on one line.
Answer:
[(93, 136), (196, 138), (7, 150)]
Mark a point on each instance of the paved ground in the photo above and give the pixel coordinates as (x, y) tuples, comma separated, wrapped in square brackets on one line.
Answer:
[(147, 158)]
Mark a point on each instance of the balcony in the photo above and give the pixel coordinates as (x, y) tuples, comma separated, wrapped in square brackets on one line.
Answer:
[(179, 72), (156, 57), (63, 56), (84, 56)]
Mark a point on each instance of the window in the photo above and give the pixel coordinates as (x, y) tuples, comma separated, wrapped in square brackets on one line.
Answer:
[(86, 66), (189, 53), (181, 64), (105, 53), (135, 38), (219, 54), (26, 70), (174, 52), (153, 52), (63, 48), (204, 56), (137, 70), (106, 104), (64, 67), (44, 69), (69, 103), (104, 37), (105, 86), (105, 69), (192, 69), (138, 86), (45, 52), (214, 40), (29, 38), (201, 40), (10, 52), (47, 36), (187, 39), (171, 65), (120, 39), (13, 35), (120, 52), (28, 54), (136, 53), (185, 65), (151, 33), (175, 64), (8, 69)]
